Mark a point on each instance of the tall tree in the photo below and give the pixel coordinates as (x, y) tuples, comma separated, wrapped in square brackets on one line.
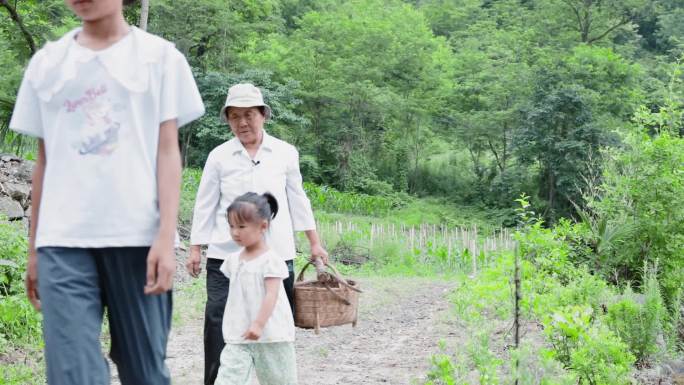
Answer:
[(144, 13), (367, 83), (579, 103), (595, 20), (20, 24)]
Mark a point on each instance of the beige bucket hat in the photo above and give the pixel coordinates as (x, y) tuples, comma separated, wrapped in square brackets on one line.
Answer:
[(245, 95)]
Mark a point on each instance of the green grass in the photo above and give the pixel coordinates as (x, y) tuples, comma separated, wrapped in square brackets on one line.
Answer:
[(420, 211), (189, 186), (188, 300), (21, 374)]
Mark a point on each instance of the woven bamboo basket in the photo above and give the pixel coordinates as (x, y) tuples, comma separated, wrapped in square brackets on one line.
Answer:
[(329, 300)]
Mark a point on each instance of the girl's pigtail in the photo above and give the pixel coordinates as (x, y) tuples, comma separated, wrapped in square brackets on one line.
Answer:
[(272, 203)]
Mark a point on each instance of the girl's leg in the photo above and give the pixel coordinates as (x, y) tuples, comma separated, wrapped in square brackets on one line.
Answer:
[(275, 363), (139, 323), (217, 294), (236, 365), (69, 288)]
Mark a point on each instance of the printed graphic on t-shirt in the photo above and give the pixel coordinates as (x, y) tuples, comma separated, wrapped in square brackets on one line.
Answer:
[(99, 130)]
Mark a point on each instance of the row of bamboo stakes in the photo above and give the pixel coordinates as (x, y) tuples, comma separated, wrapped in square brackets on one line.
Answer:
[(426, 236)]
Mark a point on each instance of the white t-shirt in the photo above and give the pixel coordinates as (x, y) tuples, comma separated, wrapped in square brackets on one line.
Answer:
[(98, 113), (230, 172), (246, 294)]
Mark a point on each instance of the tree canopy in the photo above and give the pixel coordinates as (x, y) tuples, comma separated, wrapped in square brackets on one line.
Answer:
[(473, 100)]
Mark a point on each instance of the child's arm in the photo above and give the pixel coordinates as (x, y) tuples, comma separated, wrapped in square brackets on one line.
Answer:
[(36, 194), (161, 260), (272, 287)]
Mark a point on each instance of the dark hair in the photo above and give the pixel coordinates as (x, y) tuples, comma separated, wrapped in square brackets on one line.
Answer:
[(252, 207), (129, 2)]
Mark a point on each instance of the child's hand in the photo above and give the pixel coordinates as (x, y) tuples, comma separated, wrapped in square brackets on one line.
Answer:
[(254, 332), (32, 279)]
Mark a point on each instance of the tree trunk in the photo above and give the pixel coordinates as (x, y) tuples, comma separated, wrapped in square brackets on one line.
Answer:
[(15, 16), (144, 13)]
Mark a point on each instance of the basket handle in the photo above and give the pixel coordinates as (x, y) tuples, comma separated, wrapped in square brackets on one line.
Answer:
[(341, 280), (300, 276), (319, 268), (339, 297)]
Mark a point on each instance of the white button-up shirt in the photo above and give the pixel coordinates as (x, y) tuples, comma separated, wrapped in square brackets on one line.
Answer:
[(230, 172)]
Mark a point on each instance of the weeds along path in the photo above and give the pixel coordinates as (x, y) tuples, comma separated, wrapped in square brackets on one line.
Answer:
[(401, 321)]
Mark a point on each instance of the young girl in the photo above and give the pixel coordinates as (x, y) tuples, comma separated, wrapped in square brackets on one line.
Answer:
[(258, 327), (105, 102)]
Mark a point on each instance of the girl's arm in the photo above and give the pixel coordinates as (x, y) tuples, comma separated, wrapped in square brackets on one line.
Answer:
[(36, 194), (161, 260), (272, 287)]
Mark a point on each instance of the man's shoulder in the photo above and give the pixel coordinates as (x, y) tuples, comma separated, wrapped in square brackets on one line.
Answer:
[(222, 149), (281, 145)]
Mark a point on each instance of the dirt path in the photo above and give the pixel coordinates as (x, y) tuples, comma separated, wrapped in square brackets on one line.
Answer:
[(399, 328), (401, 320)]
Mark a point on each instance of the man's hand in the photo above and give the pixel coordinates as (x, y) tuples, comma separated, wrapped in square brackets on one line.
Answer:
[(194, 263), (317, 251), (161, 266)]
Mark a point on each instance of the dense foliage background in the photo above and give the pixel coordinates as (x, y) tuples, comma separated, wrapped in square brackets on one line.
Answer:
[(473, 100), (578, 104)]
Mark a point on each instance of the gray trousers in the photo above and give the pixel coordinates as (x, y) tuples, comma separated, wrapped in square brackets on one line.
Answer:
[(75, 286)]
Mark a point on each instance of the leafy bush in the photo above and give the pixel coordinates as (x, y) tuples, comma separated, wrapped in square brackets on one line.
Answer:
[(640, 323), (19, 322), (189, 186), (643, 187), (544, 295), (547, 250), (13, 251), (449, 371), (588, 348), (18, 375)]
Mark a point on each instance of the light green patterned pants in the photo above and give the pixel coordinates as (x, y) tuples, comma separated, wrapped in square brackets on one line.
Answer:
[(274, 362)]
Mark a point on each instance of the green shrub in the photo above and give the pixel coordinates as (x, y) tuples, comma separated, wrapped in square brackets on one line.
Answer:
[(13, 256), (449, 369), (544, 296), (20, 324), (640, 325), (328, 199), (548, 251), (190, 184), (18, 374), (643, 187), (587, 347)]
